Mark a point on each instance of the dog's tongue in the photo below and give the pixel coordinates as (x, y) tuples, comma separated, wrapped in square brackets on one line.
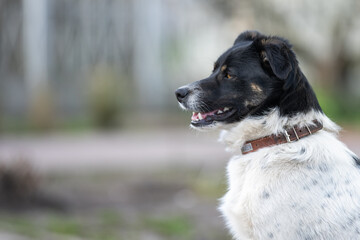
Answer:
[(200, 116)]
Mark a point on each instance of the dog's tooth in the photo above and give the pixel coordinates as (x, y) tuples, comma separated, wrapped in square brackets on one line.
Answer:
[(226, 109), (219, 112), (200, 116)]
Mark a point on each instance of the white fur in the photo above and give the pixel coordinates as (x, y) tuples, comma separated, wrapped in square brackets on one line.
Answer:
[(309, 189)]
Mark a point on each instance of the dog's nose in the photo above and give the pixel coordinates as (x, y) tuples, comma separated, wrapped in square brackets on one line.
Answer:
[(181, 93)]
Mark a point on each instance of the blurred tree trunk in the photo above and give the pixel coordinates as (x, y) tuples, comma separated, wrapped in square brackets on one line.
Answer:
[(35, 42), (35, 35), (147, 62)]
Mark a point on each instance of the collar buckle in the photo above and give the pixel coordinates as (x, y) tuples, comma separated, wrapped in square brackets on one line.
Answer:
[(287, 135)]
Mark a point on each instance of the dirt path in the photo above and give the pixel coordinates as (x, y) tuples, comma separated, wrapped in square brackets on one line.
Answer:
[(124, 150)]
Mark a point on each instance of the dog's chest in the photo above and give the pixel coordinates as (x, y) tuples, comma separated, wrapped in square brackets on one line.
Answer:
[(285, 201), (249, 192)]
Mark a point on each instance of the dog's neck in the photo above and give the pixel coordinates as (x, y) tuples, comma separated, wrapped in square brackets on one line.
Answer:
[(272, 123)]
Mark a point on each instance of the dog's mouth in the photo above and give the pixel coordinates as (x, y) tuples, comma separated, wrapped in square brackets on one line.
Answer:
[(199, 119)]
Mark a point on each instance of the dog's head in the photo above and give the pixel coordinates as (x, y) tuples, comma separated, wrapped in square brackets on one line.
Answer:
[(254, 75)]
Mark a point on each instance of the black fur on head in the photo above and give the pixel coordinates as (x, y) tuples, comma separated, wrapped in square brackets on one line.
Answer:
[(256, 74)]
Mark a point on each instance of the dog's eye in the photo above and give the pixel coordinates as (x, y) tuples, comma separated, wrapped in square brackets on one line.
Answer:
[(228, 76)]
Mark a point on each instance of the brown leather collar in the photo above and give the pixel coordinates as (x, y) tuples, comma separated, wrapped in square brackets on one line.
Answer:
[(290, 135)]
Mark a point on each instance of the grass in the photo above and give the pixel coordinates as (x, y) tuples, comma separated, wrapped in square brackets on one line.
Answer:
[(111, 218), (63, 225), (19, 224), (179, 227), (149, 209)]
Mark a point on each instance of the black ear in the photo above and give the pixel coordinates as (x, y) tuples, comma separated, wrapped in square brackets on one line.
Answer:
[(277, 53), (248, 36)]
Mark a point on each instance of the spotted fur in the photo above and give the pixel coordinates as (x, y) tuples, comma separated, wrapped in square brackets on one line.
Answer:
[(309, 189)]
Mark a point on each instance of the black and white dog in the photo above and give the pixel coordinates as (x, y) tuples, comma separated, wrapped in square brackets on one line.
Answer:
[(290, 178)]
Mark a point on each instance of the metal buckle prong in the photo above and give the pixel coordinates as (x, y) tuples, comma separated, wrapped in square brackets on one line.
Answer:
[(287, 136), (297, 137), (308, 129)]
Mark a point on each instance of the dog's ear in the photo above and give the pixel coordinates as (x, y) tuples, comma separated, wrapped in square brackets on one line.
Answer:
[(276, 54), (248, 36)]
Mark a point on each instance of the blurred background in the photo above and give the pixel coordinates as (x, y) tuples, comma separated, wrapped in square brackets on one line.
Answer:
[(92, 142)]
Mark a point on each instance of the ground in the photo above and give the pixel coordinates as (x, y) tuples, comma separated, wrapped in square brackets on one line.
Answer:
[(130, 185), (171, 204)]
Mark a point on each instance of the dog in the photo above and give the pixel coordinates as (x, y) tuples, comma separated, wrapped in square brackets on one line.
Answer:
[(290, 177)]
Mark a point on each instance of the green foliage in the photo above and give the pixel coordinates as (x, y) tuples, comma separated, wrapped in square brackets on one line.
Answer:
[(343, 109), (330, 105), (64, 225), (175, 226), (103, 97), (20, 225)]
